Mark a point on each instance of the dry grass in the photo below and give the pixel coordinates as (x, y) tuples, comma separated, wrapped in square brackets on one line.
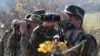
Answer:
[(92, 26)]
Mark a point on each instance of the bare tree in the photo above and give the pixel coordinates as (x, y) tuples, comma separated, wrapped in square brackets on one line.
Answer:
[(19, 8), (30, 5)]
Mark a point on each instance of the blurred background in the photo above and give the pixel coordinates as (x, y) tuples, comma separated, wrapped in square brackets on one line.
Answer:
[(17, 9)]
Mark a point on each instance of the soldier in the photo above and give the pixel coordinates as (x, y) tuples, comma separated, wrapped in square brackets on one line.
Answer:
[(5, 38), (26, 29), (13, 40), (76, 15), (3, 43), (44, 31), (32, 20)]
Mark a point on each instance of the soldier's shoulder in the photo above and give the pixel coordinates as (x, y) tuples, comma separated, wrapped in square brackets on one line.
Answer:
[(6, 34), (91, 37), (8, 31)]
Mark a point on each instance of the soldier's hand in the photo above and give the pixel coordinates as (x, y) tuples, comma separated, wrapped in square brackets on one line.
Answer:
[(23, 27), (15, 26)]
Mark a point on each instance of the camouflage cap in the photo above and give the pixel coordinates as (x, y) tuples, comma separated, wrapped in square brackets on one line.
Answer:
[(27, 16), (75, 10), (33, 17), (39, 12)]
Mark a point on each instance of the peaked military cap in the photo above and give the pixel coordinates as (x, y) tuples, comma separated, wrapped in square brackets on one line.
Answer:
[(39, 12), (28, 16), (32, 17), (75, 10)]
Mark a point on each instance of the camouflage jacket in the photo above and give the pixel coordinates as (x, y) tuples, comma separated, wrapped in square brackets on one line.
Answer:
[(86, 49), (3, 43), (13, 44), (39, 35), (25, 47), (74, 37)]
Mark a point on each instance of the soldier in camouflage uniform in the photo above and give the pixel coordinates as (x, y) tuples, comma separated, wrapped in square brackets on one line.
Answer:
[(13, 40), (76, 15), (5, 51), (3, 43), (31, 21), (41, 33)]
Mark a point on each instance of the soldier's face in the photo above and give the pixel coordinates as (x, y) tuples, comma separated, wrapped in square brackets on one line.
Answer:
[(75, 21)]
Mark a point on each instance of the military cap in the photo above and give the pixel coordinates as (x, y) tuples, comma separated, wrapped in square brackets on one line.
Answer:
[(39, 12), (32, 17), (75, 10), (15, 21), (27, 16)]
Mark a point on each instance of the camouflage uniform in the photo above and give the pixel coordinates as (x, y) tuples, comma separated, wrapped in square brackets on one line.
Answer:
[(76, 37), (25, 47), (12, 38), (85, 49), (13, 44), (39, 35), (3, 43)]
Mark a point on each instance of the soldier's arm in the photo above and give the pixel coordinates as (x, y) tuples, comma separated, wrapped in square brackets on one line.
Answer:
[(92, 45), (2, 46), (88, 47), (10, 42), (4, 41), (37, 35), (5, 36)]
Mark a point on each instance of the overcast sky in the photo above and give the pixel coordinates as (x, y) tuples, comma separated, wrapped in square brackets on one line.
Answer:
[(3, 5)]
